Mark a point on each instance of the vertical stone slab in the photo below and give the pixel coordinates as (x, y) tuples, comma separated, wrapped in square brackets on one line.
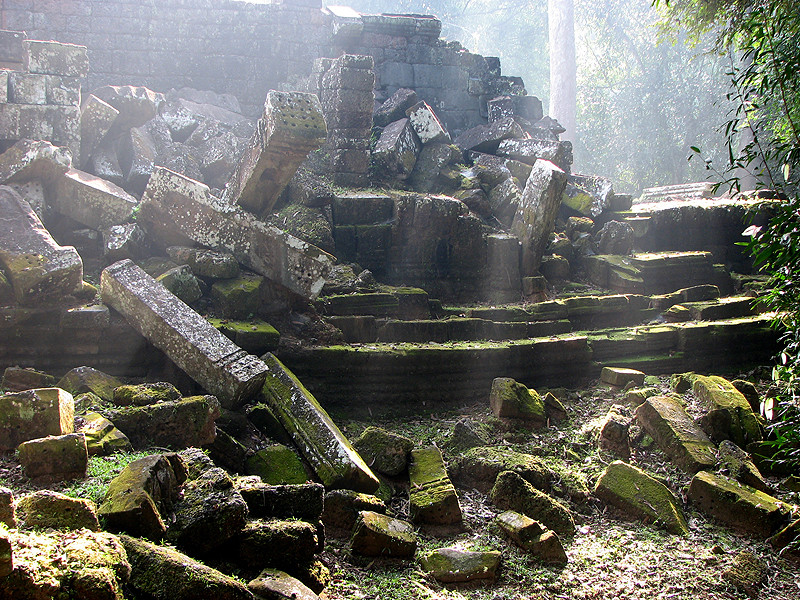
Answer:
[(206, 355), (397, 149), (322, 444), (97, 117), (181, 211), (292, 126), (38, 268), (536, 214)]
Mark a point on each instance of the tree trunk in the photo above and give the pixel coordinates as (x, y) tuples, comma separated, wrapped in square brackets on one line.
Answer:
[(561, 19)]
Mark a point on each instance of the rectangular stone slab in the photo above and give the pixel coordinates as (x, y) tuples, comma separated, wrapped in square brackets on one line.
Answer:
[(316, 436), (292, 126), (38, 268), (180, 211), (34, 414), (92, 201), (432, 495), (206, 355), (676, 434)]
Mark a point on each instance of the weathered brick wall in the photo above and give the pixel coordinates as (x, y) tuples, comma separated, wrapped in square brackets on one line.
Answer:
[(246, 48)]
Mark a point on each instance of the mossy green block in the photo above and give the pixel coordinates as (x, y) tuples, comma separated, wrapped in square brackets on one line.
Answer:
[(479, 467), (453, 565), (432, 495), (641, 496), (512, 492), (277, 465), (255, 337), (87, 379), (717, 393), (102, 438), (512, 400), (375, 534), (237, 298)]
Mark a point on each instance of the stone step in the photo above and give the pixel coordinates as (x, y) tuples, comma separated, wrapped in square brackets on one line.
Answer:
[(405, 378)]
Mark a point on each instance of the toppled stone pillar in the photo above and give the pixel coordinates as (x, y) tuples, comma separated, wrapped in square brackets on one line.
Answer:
[(536, 214), (180, 211), (206, 355), (38, 269), (292, 126), (316, 436)]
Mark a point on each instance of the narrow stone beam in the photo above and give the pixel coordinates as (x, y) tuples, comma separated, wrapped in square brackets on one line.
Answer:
[(206, 355), (322, 444), (292, 126), (181, 211)]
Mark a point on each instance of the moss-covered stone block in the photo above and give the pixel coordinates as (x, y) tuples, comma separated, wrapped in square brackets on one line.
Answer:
[(512, 400), (255, 336), (740, 466), (102, 437), (277, 464), (717, 393), (272, 583), (665, 419), (342, 507), (384, 451), (432, 496), (47, 509), (136, 497), (87, 379), (275, 542), (532, 536), (479, 467), (209, 513), (620, 376), (177, 424), (454, 565), (739, 506), (34, 414), (54, 458), (375, 534), (640, 496), (17, 379), (145, 393), (162, 572), (512, 492), (181, 281), (237, 298)]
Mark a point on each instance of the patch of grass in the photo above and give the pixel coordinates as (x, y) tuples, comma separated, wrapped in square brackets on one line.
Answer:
[(101, 470)]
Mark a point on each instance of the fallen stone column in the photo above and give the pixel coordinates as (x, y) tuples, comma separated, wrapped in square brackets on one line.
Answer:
[(37, 267), (315, 435), (292, 126), (206, 355), (536, 212), (181, 211)]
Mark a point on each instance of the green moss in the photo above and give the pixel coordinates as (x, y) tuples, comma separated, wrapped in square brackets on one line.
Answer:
[(432, 496), (277, 465)]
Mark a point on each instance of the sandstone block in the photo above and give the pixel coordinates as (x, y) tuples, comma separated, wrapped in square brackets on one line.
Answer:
[(719, 394), (315, 435), (55, 58), (55, 458), (17, 379), (272, 583), (532, 537), (535, 217), (487, 138), (342, 507), (432, 496), (395, 107), (87, 379), (739, 506), (47, 509), (292, 126), (63, 91), (620, 376), (97, 116), (137, 497), (479, 467), (426, 124), (531, 150), (512, 400), (92, 201), (190, 341), (384, 451), (640, 496), (102, 437), (179, 210), (512, 492), (301, 501), (34, 414), (277, 464), (276, 543), (453, 565), (397, 149), (136, 105), (664, 418), (205, 263), (161, 572), (27, 88), (378, 535)]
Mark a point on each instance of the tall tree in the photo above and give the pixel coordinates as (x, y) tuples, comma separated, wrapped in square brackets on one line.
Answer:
[(563, 69)]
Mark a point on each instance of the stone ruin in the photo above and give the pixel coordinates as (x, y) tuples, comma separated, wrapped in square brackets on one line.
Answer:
[(406, 215)]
